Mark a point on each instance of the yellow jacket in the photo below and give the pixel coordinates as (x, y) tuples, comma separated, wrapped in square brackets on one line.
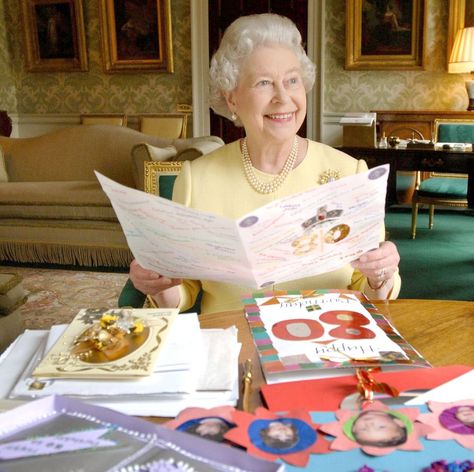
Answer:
[(216, 183)]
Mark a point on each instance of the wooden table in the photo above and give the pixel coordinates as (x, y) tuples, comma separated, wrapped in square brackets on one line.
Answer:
[(441, 331), (427, 160)]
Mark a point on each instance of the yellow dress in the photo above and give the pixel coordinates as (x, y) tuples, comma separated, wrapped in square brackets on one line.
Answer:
[(216, 183)]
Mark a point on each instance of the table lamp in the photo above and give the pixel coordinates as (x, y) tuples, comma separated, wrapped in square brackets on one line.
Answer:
[(462, 59)]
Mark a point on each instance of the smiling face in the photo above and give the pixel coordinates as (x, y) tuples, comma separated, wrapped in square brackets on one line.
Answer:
[(270, 98), (378, 427), (280, 431)]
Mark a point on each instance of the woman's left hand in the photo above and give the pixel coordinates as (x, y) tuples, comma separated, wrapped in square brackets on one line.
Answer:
[(379, 264)]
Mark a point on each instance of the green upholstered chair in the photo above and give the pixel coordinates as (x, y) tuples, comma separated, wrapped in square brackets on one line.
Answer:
[(130, 296), (441, 188), (159, 179)]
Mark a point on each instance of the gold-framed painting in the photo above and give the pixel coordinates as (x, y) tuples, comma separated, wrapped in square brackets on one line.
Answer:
[(461, 15), (385, 34), (136, 35), (55, 37)]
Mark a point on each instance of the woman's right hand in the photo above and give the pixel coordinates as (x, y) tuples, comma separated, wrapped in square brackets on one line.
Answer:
[(148, 281)]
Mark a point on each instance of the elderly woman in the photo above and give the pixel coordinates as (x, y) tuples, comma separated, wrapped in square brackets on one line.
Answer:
[(260, 76)]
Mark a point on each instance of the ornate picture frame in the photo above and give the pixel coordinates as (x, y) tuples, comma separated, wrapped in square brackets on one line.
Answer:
[(160, 175), (55, 37), (461, 15), (136, 35), (385, 34)]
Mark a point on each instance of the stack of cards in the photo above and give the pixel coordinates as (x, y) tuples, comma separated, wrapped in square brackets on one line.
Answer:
[(193, 367)]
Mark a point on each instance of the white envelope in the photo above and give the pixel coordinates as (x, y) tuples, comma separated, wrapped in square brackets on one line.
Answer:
[(19, 360), (190, 361)]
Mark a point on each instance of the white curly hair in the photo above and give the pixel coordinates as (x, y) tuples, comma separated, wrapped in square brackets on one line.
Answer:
[(240, 39)]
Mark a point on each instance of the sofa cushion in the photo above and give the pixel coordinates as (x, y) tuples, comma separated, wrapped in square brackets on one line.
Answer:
[(3, 170), (12, 293), (181, 150), (197, 150), (146, 152), (181, 144), (55, 200), (444, 187), (74, 153)]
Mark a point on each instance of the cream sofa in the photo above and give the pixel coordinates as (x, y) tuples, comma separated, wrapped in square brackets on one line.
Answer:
[(52, 208)]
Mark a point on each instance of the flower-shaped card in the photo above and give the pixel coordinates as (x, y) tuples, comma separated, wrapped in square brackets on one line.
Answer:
[(208, 423), (376, 429), (291, 437), (114, 343), (451, 421)]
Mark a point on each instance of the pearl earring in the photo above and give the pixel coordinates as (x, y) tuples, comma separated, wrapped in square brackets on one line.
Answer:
[(233, 117)]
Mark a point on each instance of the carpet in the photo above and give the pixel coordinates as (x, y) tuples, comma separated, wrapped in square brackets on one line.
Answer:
[(439, 263), (56, 296)]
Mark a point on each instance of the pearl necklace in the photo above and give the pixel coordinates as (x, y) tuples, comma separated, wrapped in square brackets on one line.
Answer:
[(276, 182)]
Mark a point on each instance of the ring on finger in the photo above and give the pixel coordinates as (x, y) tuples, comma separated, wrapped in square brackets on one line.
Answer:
[(382, 273)]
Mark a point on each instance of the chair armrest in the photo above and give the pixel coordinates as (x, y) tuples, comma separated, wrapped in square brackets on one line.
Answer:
[(130, 296)]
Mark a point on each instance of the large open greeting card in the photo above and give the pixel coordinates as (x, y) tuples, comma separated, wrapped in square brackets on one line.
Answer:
[(312, 232), (323, 333)]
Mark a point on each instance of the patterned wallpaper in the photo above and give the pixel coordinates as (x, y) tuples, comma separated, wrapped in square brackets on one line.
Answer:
[(7, 80), (92, 91), (429, 89), (95, 91)]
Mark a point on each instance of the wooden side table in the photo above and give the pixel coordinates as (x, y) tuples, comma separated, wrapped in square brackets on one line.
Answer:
[(419, 124)]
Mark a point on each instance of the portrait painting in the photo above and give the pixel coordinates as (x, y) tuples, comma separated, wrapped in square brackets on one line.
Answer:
[(54, 35), (386, 27), (384, 34), (136, 35)]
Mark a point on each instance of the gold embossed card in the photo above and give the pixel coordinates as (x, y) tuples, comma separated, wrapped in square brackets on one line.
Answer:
[(108, 343)]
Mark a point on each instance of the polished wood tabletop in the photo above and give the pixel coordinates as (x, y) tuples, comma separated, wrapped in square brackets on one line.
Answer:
[(441, 331), (426, 160)]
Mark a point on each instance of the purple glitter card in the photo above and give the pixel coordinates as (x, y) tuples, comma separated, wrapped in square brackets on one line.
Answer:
[(63, 434)]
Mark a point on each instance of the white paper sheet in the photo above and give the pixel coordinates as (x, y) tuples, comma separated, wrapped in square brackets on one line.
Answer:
[(362, 119), (178, 368), (222, 353), (15, 360), (161, 394), (458, 389), (306, 234)]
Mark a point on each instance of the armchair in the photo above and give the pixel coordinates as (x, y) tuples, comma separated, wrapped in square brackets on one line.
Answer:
[(115, 119), (441, 188), (164, 125)]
